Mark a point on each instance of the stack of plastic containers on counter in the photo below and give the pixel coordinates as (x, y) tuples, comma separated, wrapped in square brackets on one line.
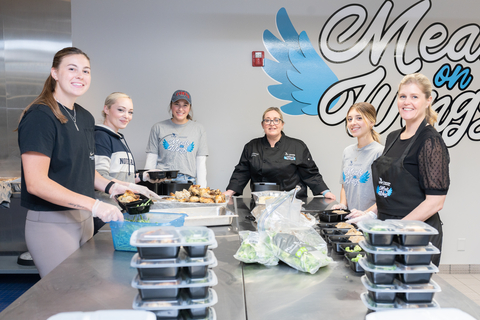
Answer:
[(398, 264), (174, 278)]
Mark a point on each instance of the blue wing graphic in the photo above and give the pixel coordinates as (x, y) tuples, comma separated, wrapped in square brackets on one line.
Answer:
[(190, 147), (364, 178), (303, 75), (389, 192), (165, 144), (343, 173)]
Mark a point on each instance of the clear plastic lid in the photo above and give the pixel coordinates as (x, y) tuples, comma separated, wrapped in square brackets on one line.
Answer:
[(169, 236), (397, 268), (181, 282), (183, 260), (398, 249), (398, 304), (409, 227), (399, 286), (180, 303)]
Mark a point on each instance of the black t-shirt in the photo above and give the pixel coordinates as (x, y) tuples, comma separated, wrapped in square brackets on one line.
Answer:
[(71, 152), (427, 160)]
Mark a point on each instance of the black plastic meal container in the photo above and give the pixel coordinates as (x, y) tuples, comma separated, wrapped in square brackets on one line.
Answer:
[(197, 292), (380, 277), (411, 240), (338, 238), (351, 246), (158, 273), (331, 216), (196, 251), (378, 239), (382, 296), (415, 278), (159, 294), (338, 247), (381, 259), (197, 313), (355, 266), (414, 259), (196, 272), (416, 297), (135, 207), (334, 231), (167, 187), (158, 252)]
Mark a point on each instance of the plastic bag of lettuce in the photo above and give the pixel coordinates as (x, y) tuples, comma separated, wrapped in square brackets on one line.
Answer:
[(292, 241), (254, 249)]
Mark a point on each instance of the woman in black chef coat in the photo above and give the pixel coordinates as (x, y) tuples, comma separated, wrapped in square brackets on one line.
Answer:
[(277, 158), (411, 178)]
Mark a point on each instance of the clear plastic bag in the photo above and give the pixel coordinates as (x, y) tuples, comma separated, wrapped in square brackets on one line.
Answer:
[(292, 240), (255, 250)]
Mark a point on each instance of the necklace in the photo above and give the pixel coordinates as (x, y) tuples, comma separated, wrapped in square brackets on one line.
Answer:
[(74, 118)]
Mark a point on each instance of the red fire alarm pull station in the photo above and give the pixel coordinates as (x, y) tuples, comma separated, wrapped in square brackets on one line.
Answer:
[(257, 58)]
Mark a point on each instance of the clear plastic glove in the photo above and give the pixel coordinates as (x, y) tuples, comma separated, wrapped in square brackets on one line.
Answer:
[(106, 212), (118, 188), (339, 206), (357, 215), (143, 190), (146, 176)]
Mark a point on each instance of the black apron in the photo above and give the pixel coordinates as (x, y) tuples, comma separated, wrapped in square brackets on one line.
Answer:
[(398, 192)]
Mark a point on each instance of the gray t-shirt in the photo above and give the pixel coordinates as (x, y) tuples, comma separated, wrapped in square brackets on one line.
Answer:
[(356, 174), (178, 145)]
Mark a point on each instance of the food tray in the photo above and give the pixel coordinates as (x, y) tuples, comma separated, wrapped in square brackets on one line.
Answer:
[(170, 289), (165, 269), (323, 225), (172, 307), (122, 231), (135, 207), (333, 215), (405, 232), (202, 216), (333, 232), (351, 247), (423, 314), (352, 264), (406, 274), (407, 292), (160, 243), (118, 314), (168, 204), (387, 255), (397, 304), (381, 255)]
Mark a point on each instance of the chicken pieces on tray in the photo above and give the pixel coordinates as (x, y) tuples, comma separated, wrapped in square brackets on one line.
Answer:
[(197, 194)]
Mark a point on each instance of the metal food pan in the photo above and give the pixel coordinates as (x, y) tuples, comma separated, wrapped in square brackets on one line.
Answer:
[(203, 216)]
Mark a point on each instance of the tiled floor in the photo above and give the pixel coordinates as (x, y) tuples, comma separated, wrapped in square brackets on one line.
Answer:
[(468, 284), (13, 286)]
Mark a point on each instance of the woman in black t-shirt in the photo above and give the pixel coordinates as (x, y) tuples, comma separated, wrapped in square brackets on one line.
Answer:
[(411, 178)]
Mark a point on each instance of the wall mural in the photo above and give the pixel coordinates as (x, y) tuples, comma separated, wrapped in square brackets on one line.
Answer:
[(312, 88)]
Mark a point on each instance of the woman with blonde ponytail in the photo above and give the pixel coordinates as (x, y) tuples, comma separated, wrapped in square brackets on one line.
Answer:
[(411, 178), (357, 187)]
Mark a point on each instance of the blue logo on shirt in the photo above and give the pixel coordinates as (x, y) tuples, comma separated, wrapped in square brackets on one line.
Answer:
[(178, 145), (384, 189)]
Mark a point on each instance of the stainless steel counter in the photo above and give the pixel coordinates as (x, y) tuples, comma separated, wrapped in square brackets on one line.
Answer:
[(96, 277)]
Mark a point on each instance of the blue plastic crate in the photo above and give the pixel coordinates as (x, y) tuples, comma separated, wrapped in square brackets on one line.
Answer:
[(122, 231)]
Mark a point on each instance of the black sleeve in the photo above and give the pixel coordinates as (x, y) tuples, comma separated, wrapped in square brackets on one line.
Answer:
[(433, 166), (241, 174), (308, 171)]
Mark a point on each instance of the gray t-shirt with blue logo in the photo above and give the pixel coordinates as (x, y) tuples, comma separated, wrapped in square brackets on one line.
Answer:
[(178, 145), (356, 174)]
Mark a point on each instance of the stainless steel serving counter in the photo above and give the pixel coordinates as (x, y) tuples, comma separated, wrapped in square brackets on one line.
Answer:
[(96, 277)]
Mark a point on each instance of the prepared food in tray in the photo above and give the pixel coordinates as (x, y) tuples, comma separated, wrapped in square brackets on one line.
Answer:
[(195, 288), (407, 274), (172, 308), (197, 194), (134, 203), (336, 215), (387, 255), (165, 242), (397, 304), (405, 232), (352, 259), (162, 269), (410, 293)]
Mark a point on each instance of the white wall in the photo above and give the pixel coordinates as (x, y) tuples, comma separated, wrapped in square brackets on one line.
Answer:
[(150, 48)]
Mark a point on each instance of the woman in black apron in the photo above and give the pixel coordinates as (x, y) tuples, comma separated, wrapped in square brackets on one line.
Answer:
[(411, 178)]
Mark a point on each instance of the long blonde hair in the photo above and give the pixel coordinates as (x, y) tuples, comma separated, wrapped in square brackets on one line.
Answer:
[(426, 87), (369, 113)]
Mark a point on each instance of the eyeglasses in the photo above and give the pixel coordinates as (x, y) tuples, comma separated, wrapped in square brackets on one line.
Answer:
[(272, 121)]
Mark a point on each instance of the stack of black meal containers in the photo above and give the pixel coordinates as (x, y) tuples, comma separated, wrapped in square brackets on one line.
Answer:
[(397, 264), (174, 277)]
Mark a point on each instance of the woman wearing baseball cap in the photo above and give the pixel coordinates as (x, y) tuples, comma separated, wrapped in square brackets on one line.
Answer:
[(179, 143)]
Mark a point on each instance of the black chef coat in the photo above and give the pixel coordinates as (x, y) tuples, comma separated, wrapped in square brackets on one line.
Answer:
[(289, 163)]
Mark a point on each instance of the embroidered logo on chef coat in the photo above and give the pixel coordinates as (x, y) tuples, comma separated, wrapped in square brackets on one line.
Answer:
[(290, 156), (178, 145), (384, 189), (254, 154)]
